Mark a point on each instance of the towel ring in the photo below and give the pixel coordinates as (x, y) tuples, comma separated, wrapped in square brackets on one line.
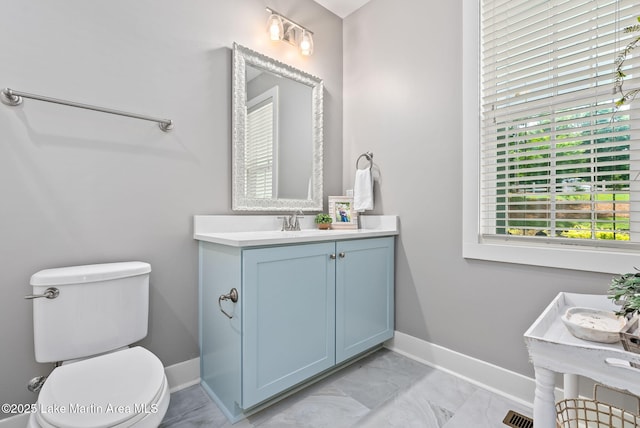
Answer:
[(369, 157)]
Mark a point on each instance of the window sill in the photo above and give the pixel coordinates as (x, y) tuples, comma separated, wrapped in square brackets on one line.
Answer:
[(554, 256)]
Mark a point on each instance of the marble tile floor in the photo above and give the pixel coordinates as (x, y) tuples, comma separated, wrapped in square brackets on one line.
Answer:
[(384, 389)]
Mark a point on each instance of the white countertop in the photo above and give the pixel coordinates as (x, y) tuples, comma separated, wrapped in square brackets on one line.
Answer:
[(251, 231)]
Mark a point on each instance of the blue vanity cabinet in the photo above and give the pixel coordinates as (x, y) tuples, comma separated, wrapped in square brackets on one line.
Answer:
[(289, 317), (302, 310), (364, 295)]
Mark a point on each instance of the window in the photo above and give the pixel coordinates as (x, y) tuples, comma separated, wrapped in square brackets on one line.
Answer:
[(262, 128), (557, 163)]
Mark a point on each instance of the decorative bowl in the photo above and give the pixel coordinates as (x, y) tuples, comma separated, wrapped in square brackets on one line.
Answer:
[(595, 325)]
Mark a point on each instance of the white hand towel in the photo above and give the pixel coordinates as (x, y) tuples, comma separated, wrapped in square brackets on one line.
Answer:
[(363, 190)]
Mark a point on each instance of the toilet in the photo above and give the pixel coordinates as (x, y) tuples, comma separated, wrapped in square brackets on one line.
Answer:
[(99, 310)]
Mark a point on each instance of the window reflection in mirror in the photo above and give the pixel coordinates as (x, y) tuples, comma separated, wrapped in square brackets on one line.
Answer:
[(262, 143)]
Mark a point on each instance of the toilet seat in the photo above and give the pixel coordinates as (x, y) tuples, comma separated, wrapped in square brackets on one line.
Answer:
[(112, 390)]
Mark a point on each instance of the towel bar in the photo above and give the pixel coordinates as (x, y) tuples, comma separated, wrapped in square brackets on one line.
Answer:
[(13, 98)]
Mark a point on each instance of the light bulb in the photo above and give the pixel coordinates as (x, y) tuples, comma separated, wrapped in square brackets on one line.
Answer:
[(306, 43), (275, 27)]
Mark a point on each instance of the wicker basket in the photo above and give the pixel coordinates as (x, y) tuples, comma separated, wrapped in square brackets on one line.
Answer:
[(585, 413)]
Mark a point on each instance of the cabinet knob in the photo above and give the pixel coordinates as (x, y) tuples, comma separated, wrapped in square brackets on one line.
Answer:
[(332, 256), (342, 255)]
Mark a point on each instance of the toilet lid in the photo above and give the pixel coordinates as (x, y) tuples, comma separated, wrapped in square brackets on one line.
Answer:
[(102, 391)]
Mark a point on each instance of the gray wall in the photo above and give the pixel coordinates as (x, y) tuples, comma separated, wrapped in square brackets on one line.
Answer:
[(402, 101), (84, 187)]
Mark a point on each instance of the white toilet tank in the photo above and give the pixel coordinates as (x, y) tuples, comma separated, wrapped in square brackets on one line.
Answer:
[(100, 308)]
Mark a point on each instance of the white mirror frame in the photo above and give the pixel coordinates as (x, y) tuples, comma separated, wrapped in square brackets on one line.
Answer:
[(241, 57)]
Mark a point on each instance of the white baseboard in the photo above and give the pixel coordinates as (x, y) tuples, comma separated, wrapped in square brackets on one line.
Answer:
[(501, 381), (181, 375)]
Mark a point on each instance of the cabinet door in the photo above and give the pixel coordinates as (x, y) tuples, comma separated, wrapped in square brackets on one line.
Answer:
[(364, 295), (288, 317)]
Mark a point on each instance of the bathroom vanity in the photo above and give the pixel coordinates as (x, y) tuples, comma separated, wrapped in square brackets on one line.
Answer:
[(307, 302)]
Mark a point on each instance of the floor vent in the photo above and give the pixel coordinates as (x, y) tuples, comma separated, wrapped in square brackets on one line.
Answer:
[(516, 420)]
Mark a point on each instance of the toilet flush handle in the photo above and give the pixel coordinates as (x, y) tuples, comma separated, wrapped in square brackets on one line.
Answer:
[(233, 296), (49, 293)]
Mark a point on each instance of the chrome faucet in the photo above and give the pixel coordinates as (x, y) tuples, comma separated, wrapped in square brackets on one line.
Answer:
[(292, 223), (293, 220)]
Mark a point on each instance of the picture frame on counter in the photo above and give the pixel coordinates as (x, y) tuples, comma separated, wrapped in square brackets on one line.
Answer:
[(342, 212)]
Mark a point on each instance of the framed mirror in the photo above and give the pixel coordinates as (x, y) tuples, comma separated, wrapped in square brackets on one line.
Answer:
[(277, 141)]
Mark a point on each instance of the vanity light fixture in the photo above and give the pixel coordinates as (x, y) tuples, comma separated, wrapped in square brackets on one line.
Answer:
[(282, 28)]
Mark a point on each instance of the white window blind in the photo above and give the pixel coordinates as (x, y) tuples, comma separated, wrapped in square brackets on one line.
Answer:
[(558, 162), (260, 146)]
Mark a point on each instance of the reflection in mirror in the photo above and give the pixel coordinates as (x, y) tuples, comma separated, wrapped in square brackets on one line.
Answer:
[(277, 135)]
